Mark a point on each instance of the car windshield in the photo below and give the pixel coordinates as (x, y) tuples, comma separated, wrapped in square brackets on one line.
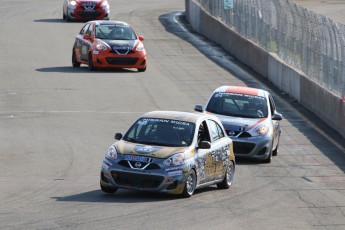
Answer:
[(114, 32), (163, 132), (237, 105)]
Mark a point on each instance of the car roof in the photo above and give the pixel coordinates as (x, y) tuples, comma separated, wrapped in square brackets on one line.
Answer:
[(242, 90), (107, 22), (177, 115)]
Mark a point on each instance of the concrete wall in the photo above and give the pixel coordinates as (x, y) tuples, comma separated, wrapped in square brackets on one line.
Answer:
[(320, 101)]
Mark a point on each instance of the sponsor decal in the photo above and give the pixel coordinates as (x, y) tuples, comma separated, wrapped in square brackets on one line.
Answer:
[(145, 149), (175, 173), (105, 166), (95, 52), (138, 158), (173, 169)]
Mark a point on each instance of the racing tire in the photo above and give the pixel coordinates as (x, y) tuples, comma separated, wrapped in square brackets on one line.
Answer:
[(190, 184), (228, 177), (108, 189), (269, 158), (75, 63), (67, 18), (141, 69), (90, 63), (275, 151)]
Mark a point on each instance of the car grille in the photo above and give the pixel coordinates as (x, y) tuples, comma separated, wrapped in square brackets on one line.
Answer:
[(122, 51), (121, 61), (89, 14), (243, 148), (135, 180), (238, 134), (151, 166)]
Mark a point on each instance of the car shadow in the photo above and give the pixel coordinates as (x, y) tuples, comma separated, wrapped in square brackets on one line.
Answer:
[(127, 196), (56, 20), (70, 69)]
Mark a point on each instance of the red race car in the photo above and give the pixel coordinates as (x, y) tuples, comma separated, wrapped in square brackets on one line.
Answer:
[(85, 10), (109, 44)]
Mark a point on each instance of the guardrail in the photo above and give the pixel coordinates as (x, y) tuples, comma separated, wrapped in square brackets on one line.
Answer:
[(308, 63)]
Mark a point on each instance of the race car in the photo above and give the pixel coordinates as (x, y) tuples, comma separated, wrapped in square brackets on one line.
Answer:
[(109, 44), (171, 152), (85, 10), (250, 119)]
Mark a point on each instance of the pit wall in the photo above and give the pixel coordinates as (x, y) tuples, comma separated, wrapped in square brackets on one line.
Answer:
[(323, 103)]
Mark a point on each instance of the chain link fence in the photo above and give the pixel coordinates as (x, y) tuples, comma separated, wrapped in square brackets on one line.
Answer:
[(305, 40)]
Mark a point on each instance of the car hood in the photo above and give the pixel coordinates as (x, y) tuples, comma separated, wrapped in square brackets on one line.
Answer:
[(125, 147), (240, 123), (120, 44), (97, 1)]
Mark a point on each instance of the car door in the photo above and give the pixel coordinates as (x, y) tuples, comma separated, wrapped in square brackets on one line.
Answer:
[(275, 123), (220, 148), (205, 166), (79, 40), (86, 43)]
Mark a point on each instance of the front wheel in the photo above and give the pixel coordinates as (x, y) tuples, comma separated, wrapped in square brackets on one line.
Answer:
[(190, 184), (269, 158), (91, 67), (142, 69), (228, 177), (75, 63), (108, 189)]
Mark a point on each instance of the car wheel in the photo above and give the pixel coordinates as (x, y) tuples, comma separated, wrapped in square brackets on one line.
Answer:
[(91, 67), (67, 17), (75, 63), (275, 151), (141, 69), (108, 189), (269, 158), (228, 177), (190, 184)]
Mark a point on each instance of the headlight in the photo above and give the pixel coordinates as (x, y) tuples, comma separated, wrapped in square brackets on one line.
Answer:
[(105, 4), (140, 47), (100, 46), (177, 159), (73, 3), (112, 153), (262, 130)]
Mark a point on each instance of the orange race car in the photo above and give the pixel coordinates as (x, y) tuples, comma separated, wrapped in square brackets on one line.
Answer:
[(85, 10), (109, 44)]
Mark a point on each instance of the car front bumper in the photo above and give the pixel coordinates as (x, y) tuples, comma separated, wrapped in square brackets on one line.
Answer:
[(78, 13), (253, 147), (119, 174), (106, 59)]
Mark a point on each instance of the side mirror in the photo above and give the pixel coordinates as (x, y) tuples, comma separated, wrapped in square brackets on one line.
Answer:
[(205, 145), (86, 36), (118, 136), (198, 108), (277, 117), (141, 38)]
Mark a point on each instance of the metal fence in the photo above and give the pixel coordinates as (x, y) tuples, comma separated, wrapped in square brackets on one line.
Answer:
[(305, 40)]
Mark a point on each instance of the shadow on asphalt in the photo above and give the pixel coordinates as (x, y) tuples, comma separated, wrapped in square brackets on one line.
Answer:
[(324, 138), (70, 69), (127, 196), (56, 20)]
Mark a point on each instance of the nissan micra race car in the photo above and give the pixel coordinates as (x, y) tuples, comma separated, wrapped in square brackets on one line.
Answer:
[(172, 152), (85, 10), (250, 119), (109, 44)]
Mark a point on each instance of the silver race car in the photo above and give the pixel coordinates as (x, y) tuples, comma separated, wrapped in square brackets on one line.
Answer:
[(172, 152), (250, 119)]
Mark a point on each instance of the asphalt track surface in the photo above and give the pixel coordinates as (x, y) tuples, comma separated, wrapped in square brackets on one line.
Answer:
[(56, 123)]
